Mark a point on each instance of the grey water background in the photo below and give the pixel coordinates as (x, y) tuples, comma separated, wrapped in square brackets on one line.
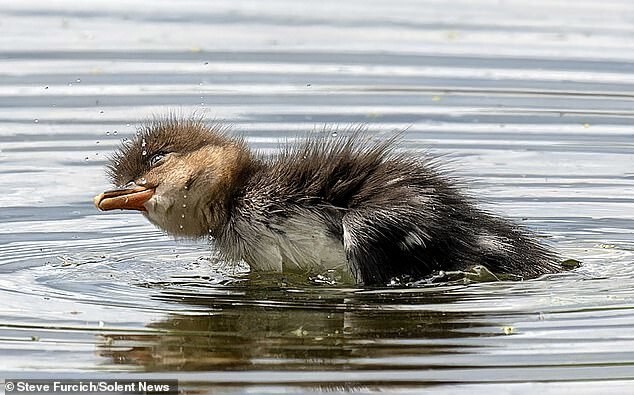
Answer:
[(531, 102)]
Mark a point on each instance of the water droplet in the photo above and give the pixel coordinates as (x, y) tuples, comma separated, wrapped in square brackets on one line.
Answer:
[(142, 181), (184, 196), (124, 139), (86, 158), (36, 120), (78, 80), (101, 112), (115, 132), (206, 63), (143, 143), (334, 134), (184, 206), (144, 153), (127, 125), (180, 226), (182, 215), (107, 133), (46, 87), (186, 187), (97, 142)]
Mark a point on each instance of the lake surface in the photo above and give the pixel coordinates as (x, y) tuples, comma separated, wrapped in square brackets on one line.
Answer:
[(531, 103)]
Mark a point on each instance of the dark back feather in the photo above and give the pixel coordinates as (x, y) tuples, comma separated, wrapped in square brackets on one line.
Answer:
[(395, 213)]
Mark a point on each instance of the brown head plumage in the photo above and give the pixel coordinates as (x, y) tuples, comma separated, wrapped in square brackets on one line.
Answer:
[(180, 173)]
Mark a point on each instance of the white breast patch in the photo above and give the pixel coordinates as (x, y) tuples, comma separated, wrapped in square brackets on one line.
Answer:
[(300, 243)]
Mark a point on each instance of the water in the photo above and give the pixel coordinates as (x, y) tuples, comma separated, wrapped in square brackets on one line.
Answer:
[(531, 103)]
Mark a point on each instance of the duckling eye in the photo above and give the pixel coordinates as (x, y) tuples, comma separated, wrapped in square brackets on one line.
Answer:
[(157, 158)]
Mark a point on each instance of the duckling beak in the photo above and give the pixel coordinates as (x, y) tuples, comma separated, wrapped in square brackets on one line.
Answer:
[(129, 197)]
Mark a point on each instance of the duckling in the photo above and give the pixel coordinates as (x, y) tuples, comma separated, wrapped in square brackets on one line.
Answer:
[(345, 203)]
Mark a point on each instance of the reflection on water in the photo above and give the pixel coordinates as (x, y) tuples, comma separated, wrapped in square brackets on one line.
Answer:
[(477, 330), (530, 103), (244, 328)]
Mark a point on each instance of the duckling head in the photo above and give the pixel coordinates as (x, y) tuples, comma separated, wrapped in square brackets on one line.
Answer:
[(180, 174)]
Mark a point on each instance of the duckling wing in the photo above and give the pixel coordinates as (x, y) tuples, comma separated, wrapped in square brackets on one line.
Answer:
[(381, 243)]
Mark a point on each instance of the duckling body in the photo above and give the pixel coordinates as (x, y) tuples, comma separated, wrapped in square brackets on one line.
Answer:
[(343, 203)]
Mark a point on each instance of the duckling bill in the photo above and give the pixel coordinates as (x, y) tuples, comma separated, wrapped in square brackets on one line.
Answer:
[(342, 203)]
